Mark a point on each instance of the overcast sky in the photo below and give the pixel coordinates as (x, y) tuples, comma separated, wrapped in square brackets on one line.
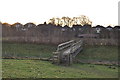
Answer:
[(102, 12)]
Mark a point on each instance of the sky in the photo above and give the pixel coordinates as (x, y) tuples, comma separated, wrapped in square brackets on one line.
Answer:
[(100, 12)]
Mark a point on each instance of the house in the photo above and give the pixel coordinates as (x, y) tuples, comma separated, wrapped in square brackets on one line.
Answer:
[(109, 28), (65, 28), (99, 29), (6, 25), (76, 28), (117, 28), (18, 26), (29, 25)]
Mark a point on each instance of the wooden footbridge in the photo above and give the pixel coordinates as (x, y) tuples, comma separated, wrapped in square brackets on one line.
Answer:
[(66, 52)]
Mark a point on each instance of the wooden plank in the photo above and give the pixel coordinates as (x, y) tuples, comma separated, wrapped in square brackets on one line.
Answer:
[(68, 51), (64, 45), (78, 51)]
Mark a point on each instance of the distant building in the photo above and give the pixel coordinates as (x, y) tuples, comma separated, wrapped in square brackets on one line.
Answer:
[(29, 25), (88, 36), (99, 28), (117, 28), (109, 28), (18, 26), (6, 25)]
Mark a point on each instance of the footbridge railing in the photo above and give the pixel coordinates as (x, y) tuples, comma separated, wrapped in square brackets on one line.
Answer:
[(66, 52)]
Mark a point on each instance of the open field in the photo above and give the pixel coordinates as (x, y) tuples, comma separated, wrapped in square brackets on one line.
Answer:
[(13, 68), (43, 69)]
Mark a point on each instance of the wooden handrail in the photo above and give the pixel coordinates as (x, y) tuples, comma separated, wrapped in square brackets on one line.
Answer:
[(65, 45), (76, 45)]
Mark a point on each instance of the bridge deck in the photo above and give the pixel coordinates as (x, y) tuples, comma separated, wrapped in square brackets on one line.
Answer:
[(67, 51)]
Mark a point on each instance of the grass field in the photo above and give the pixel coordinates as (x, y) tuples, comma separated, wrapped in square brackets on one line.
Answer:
[(13, 68), (43, 69), (99, 53), (27, 50)]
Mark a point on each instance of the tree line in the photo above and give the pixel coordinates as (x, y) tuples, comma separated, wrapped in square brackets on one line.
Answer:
[(55, 34), (67, 21)]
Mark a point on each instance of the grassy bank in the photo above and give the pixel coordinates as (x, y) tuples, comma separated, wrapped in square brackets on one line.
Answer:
[(27, 50), (96, 53), (43, 69), (99, 53)]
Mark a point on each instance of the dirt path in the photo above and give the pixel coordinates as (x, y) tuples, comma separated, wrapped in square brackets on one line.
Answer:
[(98, 62), (76, 61)]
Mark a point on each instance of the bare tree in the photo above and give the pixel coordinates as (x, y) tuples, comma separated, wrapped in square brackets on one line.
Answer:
[(52, 21), (81, 20), (84, 20)]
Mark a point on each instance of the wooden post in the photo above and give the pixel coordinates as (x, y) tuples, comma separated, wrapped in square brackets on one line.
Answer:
[(71, 59), (60, 57), (56, 59), (68, 60)]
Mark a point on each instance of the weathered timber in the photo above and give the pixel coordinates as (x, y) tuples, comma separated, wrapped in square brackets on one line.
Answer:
[(66, 52)]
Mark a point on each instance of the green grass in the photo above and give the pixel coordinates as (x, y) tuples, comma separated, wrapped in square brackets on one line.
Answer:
[(43, 69), (102, 53), (27, 50)]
